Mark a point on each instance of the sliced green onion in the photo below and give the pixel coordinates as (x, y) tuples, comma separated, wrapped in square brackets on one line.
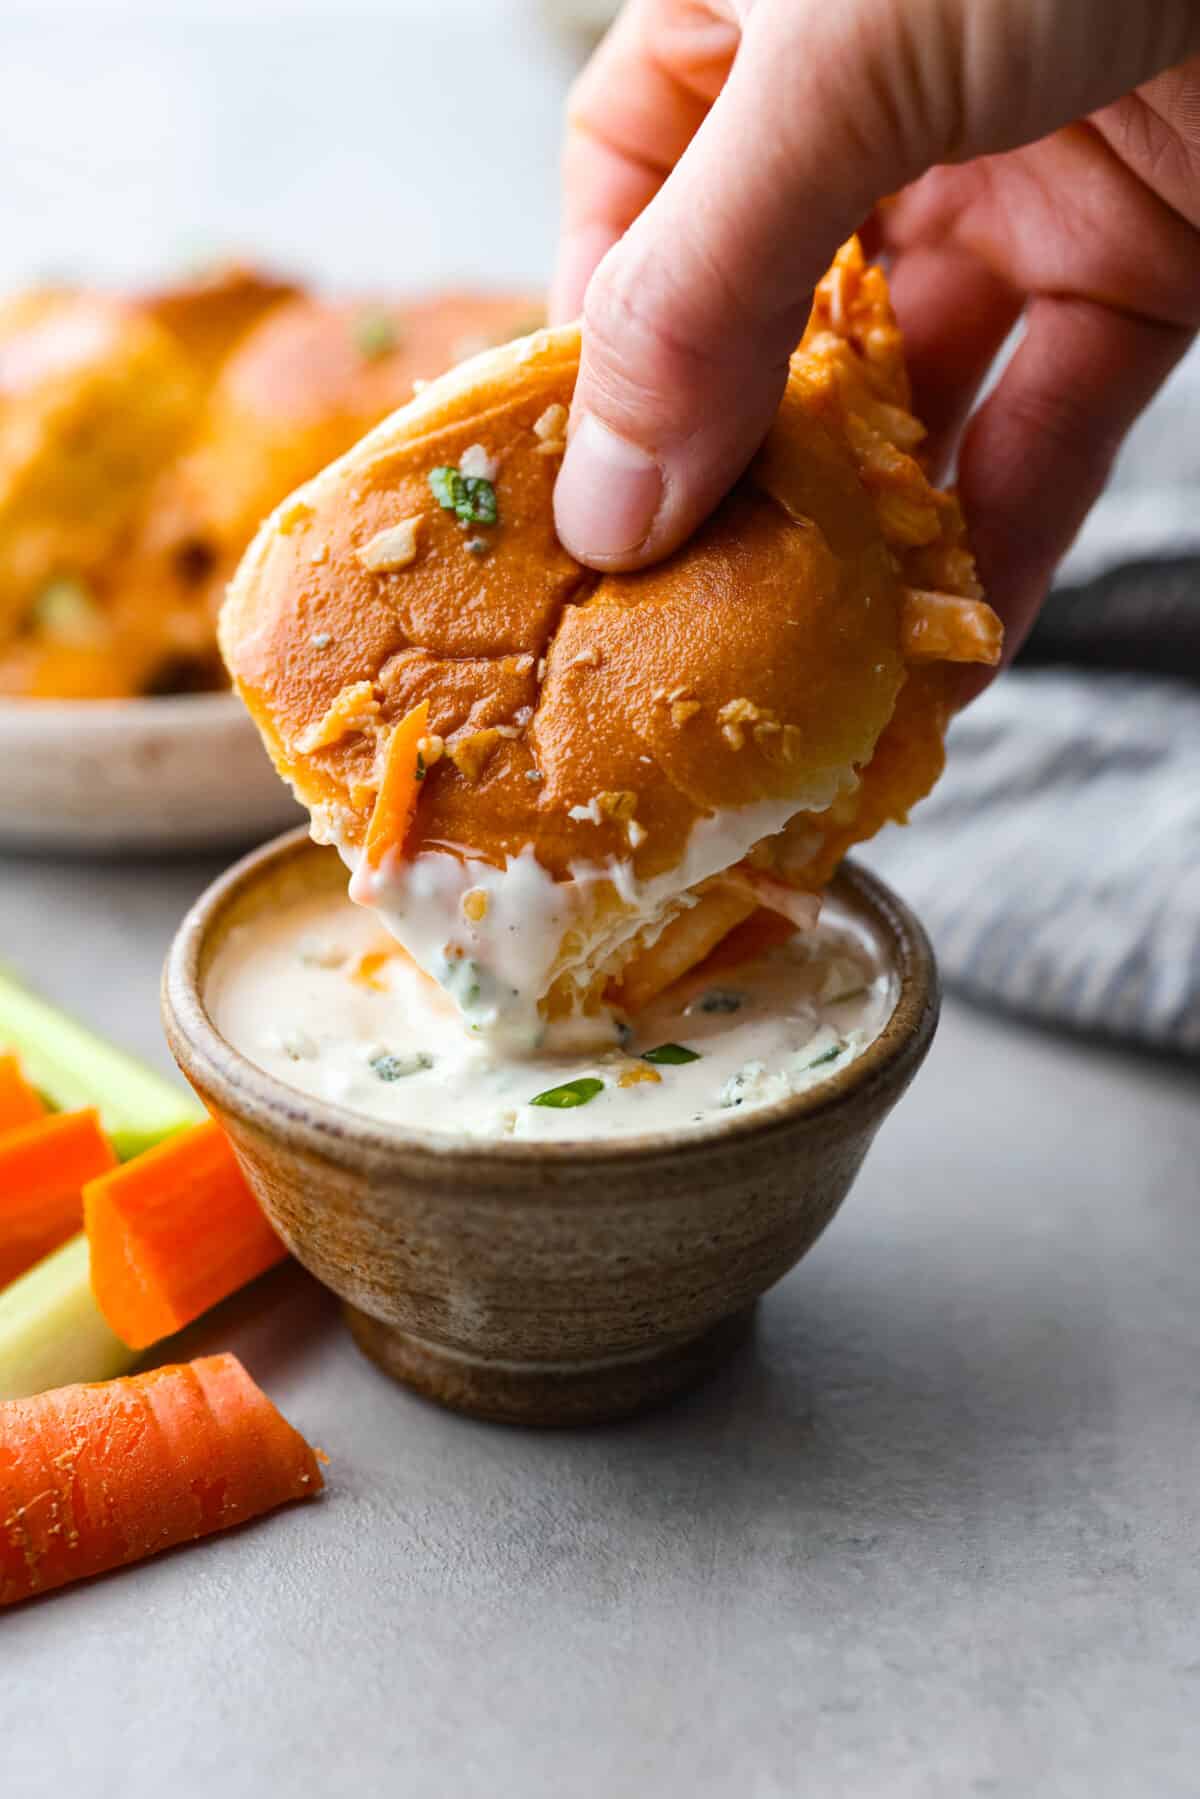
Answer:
[(471, 498), (673, 1054), (571, 1093), (831, 1055)]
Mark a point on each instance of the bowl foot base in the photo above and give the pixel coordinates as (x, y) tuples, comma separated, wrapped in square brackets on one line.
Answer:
[(540, 1393)]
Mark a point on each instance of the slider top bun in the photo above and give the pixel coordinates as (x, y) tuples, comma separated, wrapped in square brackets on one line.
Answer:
[(143, 438), (783, 668)]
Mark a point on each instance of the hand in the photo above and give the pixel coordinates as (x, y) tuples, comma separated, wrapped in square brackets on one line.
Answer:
[(1044, 156)]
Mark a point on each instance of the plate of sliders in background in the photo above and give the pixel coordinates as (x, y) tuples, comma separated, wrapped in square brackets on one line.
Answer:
[(142, 438)]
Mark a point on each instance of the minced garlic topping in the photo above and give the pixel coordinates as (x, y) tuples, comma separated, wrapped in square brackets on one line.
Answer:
[(355, 707), (394, 548)]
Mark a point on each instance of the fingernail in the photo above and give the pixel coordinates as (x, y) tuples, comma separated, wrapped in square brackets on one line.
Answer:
[(607, 495)]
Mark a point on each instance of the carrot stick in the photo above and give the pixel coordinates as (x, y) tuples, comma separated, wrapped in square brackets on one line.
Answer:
[(93, 1477), (43, 1167), (19, 1104), (403, 772), (173, 1232)]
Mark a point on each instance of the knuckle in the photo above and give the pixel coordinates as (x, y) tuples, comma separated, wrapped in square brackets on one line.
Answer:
[(632, 313)]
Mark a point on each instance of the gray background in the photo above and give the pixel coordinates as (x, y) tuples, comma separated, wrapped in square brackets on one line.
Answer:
[(933, 1534)]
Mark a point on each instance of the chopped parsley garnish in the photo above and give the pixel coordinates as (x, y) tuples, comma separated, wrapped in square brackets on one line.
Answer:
[(571, 1093), (464, 979), (394, 1068), (831, 1055), (719, 999), (471, 498), (375, 335), (674, 1054), (420, 766)]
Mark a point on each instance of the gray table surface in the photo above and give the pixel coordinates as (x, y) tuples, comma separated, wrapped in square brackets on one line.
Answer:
[(933, 1533)]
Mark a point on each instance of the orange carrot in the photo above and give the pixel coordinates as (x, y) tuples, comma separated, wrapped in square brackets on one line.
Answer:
[(366, 969), (403, 772), (19, 1104), (43, 1167), (92, 1477), (173, 1232)]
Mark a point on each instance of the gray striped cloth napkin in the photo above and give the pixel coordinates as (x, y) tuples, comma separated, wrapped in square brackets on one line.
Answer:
[(1057, 864)]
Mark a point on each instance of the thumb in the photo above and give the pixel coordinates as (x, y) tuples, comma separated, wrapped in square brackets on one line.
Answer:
[(689, 320)]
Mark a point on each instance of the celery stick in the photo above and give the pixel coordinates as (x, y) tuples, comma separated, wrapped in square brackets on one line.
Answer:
[(72, 1067), (52, 1331)]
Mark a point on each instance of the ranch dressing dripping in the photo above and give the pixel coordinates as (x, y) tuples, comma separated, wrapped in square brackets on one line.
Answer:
[(499, 964), (317, 995)]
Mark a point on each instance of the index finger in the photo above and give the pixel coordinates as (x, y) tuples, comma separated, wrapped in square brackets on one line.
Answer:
[(630, 116)]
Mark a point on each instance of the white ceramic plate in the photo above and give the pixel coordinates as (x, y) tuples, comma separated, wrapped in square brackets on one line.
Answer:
[(185, 773)]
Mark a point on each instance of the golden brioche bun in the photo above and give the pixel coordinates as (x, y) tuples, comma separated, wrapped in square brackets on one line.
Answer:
[(762, 677)]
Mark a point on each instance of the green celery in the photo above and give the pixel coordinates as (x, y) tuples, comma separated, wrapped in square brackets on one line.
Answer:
[(72, 1067), (51, 1329)]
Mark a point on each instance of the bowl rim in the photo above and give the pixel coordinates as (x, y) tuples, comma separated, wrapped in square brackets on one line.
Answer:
[(347, 1138), (184, 709)]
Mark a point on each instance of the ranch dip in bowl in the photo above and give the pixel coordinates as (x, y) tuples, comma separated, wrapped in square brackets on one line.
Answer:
[(567, 1235), (316, 995)]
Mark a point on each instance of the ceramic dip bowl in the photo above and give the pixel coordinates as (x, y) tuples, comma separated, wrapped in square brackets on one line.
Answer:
[(542, 1283)]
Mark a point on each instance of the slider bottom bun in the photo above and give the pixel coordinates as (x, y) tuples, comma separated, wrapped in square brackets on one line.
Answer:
[(561, 790)]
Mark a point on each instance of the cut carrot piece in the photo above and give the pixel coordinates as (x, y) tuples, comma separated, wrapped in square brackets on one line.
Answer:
[(93, 1477), (366, 969), (403, 772), (942, 627), (173, 1232), (19, 1104), (43, 1168)]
